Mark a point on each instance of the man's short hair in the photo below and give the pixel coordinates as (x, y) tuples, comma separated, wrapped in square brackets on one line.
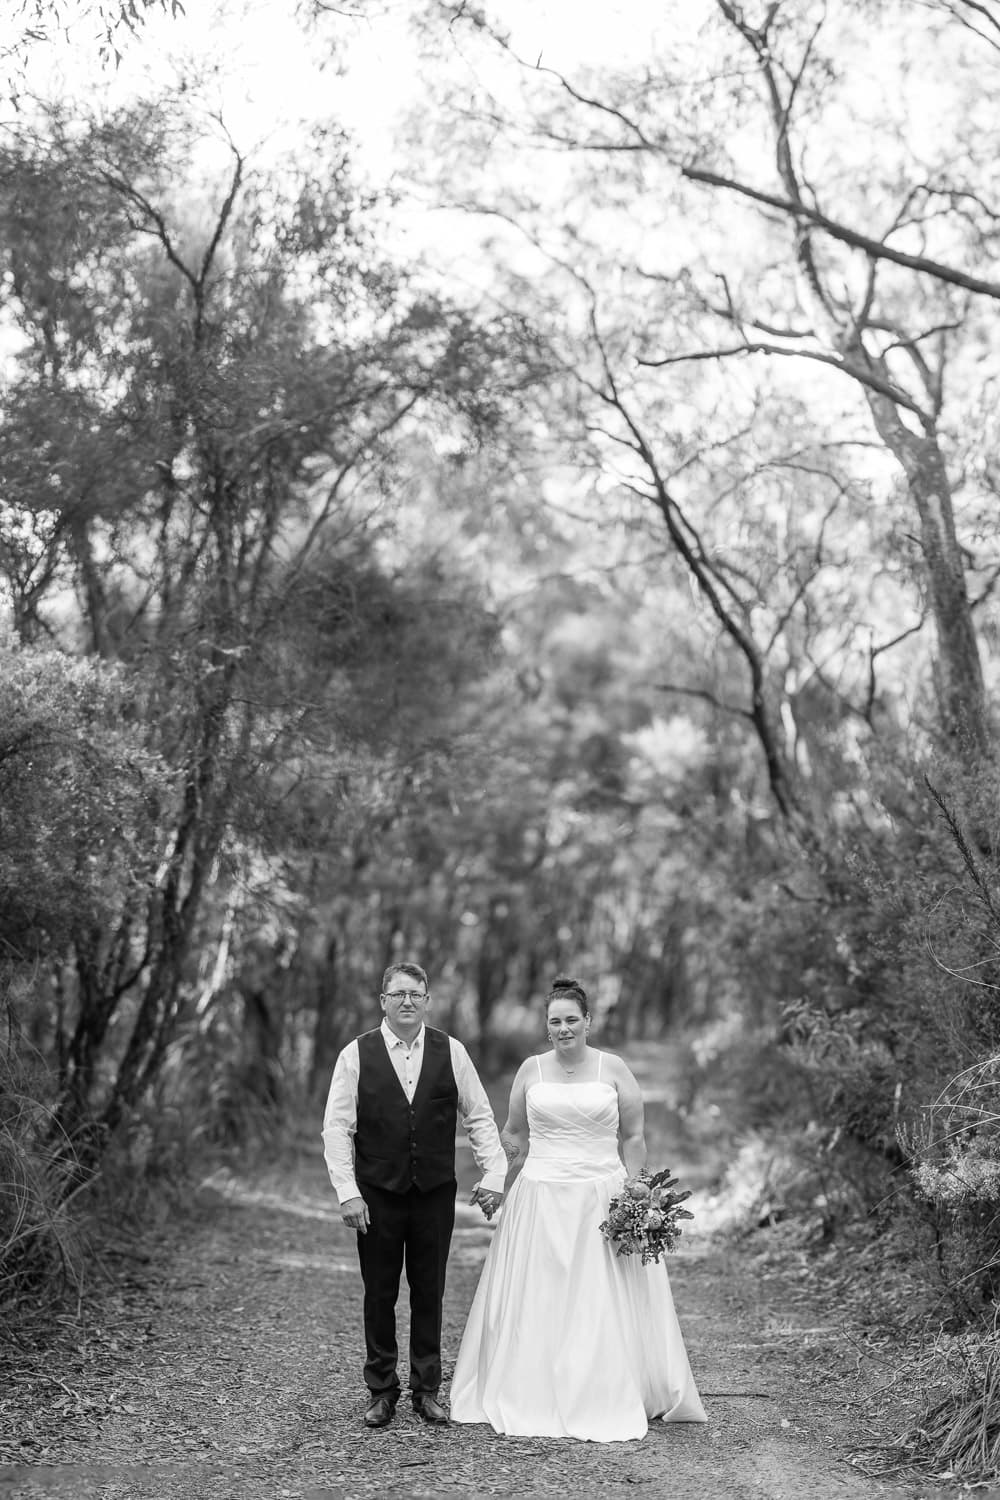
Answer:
[(413, 971)]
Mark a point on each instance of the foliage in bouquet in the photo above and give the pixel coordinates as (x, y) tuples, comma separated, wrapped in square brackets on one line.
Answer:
[(644, 1219)]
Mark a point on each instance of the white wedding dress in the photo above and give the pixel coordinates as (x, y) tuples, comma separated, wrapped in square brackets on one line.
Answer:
[(564, 1337)]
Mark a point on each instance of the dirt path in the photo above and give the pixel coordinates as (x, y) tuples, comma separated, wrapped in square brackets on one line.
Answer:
[(230, 1366)]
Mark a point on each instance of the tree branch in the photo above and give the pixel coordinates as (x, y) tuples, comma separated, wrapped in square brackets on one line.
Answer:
[(878, 249), (707, 697), (864, 377)]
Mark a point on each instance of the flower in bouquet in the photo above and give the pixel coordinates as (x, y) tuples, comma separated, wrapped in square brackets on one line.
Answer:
[(644, 1218)]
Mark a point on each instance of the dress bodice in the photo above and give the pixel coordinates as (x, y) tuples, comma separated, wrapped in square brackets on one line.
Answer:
[(572, 1130)]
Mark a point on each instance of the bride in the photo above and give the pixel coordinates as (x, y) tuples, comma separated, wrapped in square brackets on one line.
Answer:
[(565, 1338)]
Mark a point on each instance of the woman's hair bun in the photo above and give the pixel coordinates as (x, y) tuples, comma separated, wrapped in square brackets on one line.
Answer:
[(565, 987)]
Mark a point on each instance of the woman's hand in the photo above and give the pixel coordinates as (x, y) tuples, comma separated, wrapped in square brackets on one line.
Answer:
[(488, 1202)]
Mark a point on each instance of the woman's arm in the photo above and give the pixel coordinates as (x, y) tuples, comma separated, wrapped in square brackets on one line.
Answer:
[(631, 1118), (514, 1135)]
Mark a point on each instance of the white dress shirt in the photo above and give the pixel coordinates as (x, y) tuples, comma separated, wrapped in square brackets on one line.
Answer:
[(340, 1119)]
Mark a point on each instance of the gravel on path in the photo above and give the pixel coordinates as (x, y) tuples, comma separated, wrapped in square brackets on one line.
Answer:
[(228, 1367)]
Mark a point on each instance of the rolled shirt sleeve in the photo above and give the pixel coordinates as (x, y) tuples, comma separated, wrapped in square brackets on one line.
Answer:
[(478, 1121), (340, 1122)]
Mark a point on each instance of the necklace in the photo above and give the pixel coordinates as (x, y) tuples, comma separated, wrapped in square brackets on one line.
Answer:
[(560, 1062)]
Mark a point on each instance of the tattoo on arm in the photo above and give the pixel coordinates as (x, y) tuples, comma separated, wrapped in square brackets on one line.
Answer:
[(511, 1146)]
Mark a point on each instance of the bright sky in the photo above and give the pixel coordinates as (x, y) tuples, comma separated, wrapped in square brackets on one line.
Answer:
[(266, 68), (258, 68), (266, 73)]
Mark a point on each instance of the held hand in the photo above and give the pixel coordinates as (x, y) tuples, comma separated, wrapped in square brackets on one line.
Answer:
[(354, 1213), (488, 1202)]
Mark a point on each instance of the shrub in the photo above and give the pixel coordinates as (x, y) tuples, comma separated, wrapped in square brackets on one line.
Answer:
[(957, 1430), (41, 1240)]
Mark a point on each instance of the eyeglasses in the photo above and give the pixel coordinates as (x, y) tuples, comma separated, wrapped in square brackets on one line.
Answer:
[(404, 995)]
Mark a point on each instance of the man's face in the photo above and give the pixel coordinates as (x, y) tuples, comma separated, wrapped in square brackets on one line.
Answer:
[(404, 1003)]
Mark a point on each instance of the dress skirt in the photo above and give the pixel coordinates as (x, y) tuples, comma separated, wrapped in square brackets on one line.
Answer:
[(565, 1338)]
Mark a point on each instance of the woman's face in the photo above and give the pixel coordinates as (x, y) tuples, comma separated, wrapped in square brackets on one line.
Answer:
[(567, 1024)]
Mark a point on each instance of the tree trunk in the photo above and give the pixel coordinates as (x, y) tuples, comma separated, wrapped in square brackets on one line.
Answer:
[(959, 670), (327, 1032), (262, 1067), (491, 973), (961, 692)]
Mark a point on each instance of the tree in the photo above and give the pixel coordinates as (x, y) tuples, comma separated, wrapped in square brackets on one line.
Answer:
[(203, 418), (762, 253), (680, 144)]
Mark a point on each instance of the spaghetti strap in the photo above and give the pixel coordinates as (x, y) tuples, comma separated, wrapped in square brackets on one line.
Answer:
[(538, 1062), (600, 1059)]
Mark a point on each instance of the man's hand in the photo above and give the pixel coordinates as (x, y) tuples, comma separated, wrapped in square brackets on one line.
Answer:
[(488, 1202), (355, 1214)]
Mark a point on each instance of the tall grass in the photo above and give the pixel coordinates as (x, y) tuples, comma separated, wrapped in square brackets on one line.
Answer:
[(957, 1433), (41, 1239), (56, 1224)]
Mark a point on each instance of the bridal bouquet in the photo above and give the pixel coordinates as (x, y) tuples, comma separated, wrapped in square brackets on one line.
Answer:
[(644, 1218)]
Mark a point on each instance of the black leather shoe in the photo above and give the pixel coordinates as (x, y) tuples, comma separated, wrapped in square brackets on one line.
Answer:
[(429, 1408), (379, 1413)]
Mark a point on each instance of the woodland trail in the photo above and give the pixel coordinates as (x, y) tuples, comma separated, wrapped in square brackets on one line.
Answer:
[(228, 1367)]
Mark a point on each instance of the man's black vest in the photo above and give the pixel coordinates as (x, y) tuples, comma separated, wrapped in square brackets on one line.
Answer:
[(399, 1145)]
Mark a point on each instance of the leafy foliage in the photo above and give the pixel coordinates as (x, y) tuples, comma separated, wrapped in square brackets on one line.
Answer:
[(81, 793), (40, 20)]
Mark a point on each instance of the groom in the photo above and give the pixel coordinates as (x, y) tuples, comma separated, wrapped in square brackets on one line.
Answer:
[(389, 1142)]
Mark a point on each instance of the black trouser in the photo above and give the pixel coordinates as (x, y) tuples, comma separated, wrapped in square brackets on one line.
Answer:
[(416, 1228)]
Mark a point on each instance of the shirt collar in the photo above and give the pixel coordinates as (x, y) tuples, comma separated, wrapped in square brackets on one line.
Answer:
[(392, 1040)]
